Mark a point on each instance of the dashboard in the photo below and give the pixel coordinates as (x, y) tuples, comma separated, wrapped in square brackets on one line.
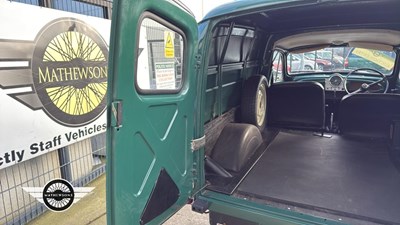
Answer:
[(334, 84)]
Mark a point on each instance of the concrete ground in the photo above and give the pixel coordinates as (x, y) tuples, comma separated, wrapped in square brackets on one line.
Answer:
[(92, 210)]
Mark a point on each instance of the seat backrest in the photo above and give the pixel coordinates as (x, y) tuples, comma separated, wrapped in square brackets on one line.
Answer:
[(296, 105), (368, 115)]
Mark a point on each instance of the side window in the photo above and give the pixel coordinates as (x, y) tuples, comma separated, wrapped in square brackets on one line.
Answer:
[(277, 67), (160, 55)]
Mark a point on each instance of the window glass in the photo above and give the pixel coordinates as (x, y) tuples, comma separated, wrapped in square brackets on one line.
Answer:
[(31, 2), (277, 67), (238, 31), (79, 7), (341, 59), (159, 57), (250, 33)]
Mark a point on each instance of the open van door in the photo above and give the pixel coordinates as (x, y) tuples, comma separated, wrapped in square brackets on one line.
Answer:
[(151, 111)]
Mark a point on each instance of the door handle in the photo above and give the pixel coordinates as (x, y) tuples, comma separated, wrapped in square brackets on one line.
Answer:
[(116, 114)]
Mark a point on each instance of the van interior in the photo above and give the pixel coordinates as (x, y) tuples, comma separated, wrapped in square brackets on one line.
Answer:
[(320, 141)]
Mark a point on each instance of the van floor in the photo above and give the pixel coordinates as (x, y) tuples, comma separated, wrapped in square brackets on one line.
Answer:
[(339, 176)]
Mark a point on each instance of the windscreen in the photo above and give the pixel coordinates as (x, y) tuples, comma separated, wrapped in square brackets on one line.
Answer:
[(341, 59)]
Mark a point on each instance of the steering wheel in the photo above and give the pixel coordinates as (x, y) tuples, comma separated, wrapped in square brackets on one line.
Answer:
[(365, 87)]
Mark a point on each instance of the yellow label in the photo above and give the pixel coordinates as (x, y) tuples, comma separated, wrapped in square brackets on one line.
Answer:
[(376, 57), (169, 44)]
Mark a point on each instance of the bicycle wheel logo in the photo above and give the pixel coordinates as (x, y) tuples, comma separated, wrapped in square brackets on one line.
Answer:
[(58, 195), (69, 68)]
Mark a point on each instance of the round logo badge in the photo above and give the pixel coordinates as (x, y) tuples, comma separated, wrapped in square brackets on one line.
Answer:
[(58, 195), (69, 68)]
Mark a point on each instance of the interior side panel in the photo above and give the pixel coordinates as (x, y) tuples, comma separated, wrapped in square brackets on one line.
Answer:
[(234, 55)]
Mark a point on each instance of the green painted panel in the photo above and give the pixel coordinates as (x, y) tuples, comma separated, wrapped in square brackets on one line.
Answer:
[(231, 96), (260, 213), (211, 81), (157, 127), (210, 105), (161, 118), (147, 159), (248, 72), (231, 76)]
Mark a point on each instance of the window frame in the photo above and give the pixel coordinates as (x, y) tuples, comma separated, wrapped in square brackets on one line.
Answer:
[(280, 54)]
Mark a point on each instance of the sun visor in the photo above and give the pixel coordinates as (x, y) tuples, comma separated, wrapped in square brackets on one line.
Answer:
[(374, 46)]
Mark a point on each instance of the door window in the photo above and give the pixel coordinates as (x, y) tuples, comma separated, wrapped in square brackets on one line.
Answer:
[(160, 54)]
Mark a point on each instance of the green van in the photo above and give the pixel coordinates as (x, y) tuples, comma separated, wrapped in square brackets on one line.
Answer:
[(196, 114)]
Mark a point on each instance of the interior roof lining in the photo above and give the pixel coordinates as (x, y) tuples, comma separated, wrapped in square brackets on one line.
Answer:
[(380, 39)]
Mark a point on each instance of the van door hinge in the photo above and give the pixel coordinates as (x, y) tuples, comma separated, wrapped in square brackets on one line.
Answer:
[(197, 57), (198, 143), (116, 114)]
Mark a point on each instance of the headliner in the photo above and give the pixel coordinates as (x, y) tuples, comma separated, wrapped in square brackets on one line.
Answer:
[(380, 39)]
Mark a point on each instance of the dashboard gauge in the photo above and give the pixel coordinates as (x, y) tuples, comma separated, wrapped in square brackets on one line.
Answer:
[(335, 80), (335, 83)]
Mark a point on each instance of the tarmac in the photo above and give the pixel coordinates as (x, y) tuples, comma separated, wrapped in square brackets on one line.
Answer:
[(92, 210)]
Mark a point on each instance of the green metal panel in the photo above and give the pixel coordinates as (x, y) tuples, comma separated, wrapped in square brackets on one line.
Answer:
[(156, 129), (259, 213)]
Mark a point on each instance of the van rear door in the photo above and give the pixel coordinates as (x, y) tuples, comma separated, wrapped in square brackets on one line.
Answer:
[(151, 108)]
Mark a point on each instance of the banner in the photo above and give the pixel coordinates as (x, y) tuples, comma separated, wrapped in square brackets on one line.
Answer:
[(377, 57), (53, 79)]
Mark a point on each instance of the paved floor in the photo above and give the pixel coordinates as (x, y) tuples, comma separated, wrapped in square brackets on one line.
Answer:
[(92, 210)]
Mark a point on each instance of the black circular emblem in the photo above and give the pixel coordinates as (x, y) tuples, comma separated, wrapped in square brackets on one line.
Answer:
[(58, 195), (69, 68)]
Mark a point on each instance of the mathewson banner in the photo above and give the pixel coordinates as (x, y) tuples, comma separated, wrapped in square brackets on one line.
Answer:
[(53, 79)]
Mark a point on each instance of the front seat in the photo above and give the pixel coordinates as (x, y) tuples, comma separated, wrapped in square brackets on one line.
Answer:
[(368, 115)]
